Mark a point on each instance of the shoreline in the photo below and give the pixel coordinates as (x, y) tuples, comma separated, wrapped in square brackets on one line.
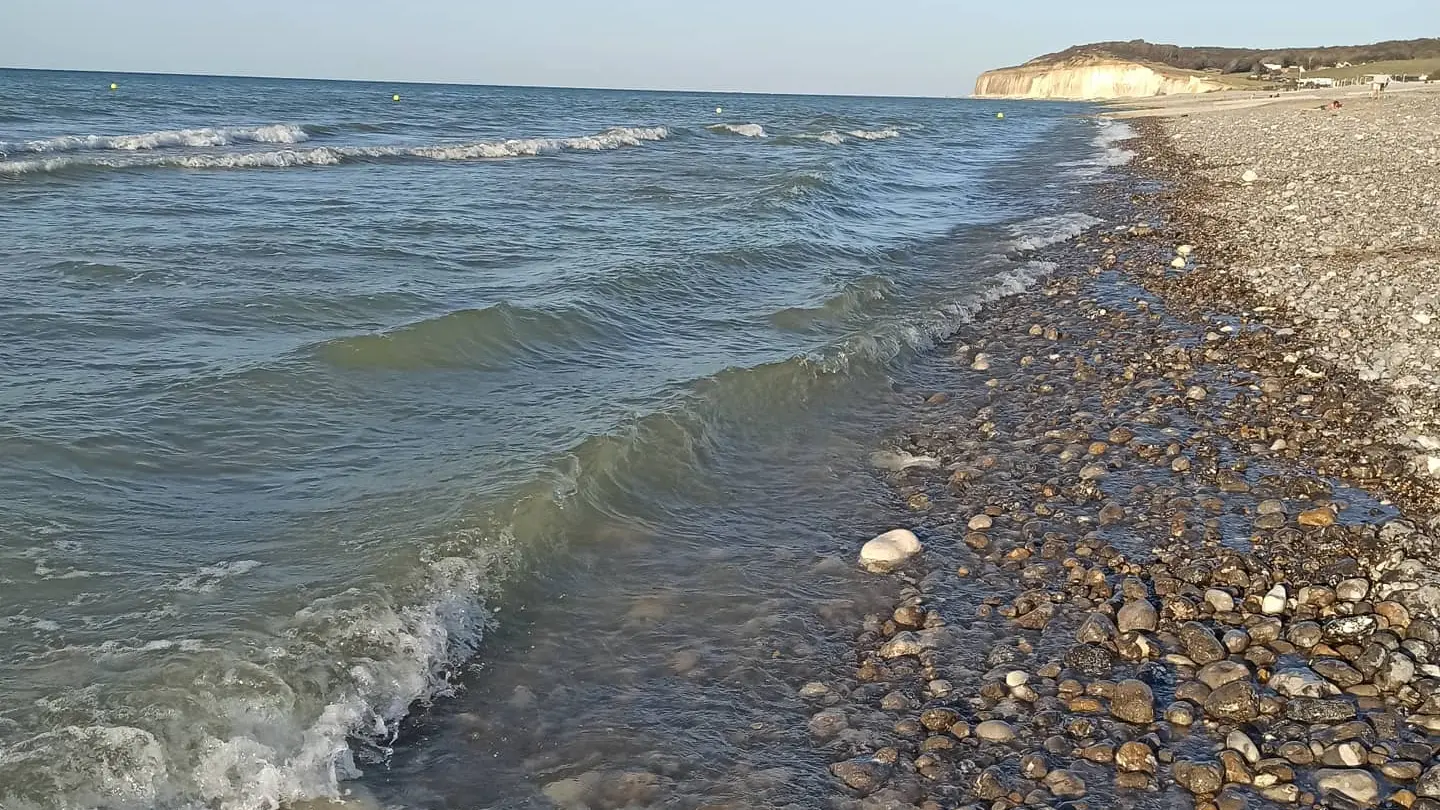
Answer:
[(1172, 545)]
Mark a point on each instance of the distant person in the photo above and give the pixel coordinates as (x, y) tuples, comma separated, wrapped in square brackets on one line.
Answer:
[(1378, 85)]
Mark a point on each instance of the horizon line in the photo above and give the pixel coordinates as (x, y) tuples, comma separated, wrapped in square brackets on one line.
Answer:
[(440, 83)]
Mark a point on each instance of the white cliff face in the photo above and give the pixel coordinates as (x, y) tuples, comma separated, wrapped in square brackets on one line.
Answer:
[(1082, 82)]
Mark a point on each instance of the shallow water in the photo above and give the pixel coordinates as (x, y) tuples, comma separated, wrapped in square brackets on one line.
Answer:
[(320, 407)]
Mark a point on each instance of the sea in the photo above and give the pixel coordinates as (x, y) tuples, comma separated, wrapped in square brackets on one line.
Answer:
[(437, 446)]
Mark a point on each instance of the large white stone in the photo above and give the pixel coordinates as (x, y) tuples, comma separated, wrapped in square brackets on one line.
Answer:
[(1240, 742), (888, 551), (1274, 602)]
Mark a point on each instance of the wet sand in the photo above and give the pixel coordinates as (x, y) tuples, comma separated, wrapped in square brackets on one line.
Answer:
[(1174, 552)]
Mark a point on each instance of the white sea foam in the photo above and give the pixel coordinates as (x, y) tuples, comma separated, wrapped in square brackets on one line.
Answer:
[(1043, 231), (927, 329), (208, 136), (743, 130), (1110, 154), (269, 725), (835, 138), (875, 134), (335, 155)]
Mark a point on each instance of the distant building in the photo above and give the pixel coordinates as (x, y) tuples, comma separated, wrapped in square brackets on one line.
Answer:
[(1323, 81), (1272, 67)]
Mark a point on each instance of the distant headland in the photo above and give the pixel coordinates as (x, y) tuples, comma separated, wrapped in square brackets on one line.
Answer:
[(1138, 69)]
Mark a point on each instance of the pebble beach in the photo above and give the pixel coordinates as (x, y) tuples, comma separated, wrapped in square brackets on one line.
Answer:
[(1165, 527)]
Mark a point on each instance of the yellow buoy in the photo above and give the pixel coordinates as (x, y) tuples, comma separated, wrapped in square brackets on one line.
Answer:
[(1000, 115), (719, 110), (395, 97), (114, 86)]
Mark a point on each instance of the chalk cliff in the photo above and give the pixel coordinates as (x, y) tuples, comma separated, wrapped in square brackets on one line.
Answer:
[(1089, 78)]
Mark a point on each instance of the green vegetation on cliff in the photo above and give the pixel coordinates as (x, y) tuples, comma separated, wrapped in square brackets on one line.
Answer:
[(1246, 60)]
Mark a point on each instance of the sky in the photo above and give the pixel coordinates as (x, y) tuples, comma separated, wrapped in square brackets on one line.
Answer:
[(878, 47)]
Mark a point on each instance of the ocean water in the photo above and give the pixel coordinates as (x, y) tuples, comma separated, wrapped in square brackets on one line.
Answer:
[(424, 453)]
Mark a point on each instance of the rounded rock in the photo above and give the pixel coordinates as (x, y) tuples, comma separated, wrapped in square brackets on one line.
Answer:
[(889, 551), (1133, 702), (1138, 615), (1356, 785), (995, 731)]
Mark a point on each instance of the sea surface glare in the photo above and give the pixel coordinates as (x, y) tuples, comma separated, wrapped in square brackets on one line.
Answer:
[(431, 452)]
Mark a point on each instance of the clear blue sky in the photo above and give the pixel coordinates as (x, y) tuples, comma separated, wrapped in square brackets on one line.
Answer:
[(904, 47)]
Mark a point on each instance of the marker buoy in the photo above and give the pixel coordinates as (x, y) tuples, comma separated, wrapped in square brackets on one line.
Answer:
[(719, 111), (114, 86), (1000, 115), (395, 97)]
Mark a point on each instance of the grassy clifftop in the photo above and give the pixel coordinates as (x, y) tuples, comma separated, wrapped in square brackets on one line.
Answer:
[(1243, 60)]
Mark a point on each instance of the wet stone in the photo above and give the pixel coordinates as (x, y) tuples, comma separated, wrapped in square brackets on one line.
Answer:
[(1180, 714), (1358, 786), (1317, 518), (938, 719), (1220, 601), (1200, 644), (1065, 784), (989, 784), (1193, 691), (862, 774), (1236, 641), (1240, 742), (1304, 634), (1138, 615), (1218, 673), (1200, 778), (1352, 590), (1237, 770), (995, 731), (1090, 659), (903, 644), (1350, 628), (1235, 702), (1296, 753), (1273, 603), (828, 724), (1037, 618), (1428, 785), (1338, 672), (1319, 710), (1096, 629), (895, 702), (937, 743), (1134, 702), (1300, 682), (1347, 754), (1034, 766), (1402, 770)]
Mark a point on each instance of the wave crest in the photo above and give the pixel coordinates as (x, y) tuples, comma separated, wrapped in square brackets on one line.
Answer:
[(170, 138), (615, 138), (743, 130), (1041, 232), (483, 339)]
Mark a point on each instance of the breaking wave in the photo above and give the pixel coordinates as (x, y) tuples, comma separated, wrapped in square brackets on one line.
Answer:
[(1041, 232), (336, 155), (743, 130), (208, 136), (1110, 154), (874, 134)]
